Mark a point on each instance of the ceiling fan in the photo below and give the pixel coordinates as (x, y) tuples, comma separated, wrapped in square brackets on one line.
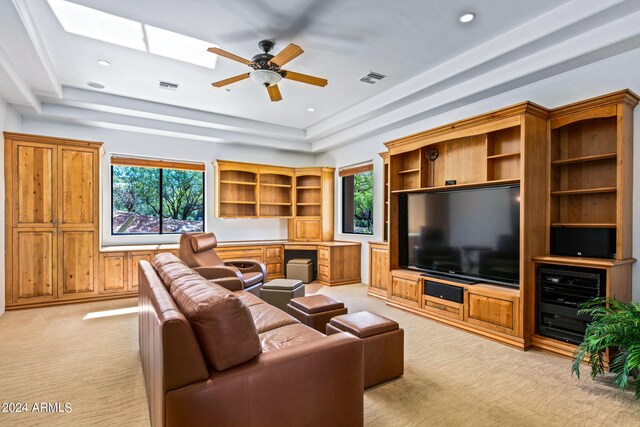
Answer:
[(267, 68)]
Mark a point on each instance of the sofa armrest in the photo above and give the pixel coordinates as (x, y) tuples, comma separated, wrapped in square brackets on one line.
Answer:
[(317, 383), (218, 272), (248, 266)]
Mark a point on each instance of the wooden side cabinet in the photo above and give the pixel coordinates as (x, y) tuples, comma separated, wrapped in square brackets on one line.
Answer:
[(339, 263), (378, 269)]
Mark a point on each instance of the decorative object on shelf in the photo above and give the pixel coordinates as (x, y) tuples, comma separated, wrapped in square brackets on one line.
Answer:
[(266, 68), (432, 155), (615, 325)]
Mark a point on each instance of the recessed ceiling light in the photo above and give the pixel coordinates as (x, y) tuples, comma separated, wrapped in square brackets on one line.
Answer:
[(95, 85), (467, 17), (311, 109), (104, 62)]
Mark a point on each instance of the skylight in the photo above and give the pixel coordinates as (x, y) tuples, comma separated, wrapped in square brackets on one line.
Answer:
[(88, 22), (180, 47)]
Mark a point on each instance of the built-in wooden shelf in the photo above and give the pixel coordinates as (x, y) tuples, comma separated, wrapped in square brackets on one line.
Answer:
[(409, 171), (275, 204), (503, 156), (238, 182), (584, 191), (309, 204), (583, 224), (466, 185), (275, 185), (308, 187), (237, 202), (582, 159)]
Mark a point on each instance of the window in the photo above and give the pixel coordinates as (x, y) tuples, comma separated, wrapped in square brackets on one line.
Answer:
[(357, 200), (156, 197)]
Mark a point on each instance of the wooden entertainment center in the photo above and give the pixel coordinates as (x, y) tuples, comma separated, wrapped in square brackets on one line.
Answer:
[(574, 168)]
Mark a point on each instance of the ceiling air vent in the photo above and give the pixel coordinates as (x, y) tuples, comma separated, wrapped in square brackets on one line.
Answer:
[(372, 78), (168, 86)]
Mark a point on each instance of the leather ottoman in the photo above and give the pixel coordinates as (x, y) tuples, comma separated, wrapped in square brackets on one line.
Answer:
[(383, 343), (316, 310), (278, 292), (301, 269)]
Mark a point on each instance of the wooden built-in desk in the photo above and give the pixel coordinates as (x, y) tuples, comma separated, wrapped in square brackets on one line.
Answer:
[(338, 262)]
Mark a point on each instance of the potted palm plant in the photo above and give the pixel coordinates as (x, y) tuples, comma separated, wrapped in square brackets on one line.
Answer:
[(615, 325)]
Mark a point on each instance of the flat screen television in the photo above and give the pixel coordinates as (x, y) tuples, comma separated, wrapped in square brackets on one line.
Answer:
[(472, 234)]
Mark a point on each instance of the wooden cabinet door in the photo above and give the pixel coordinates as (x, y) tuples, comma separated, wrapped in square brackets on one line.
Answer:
[(309, 230), (33, 184), (34, 265), (134, 259), (324, 273), (405, 289), (78, 186), (378, 268), (273, 253), (78, 263), (497, 312), (113, 272), (274, 270)]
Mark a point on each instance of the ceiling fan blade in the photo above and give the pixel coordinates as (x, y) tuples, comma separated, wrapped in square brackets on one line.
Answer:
[(287, 54), (305, 78), (274, 93), (228, 55), (230, 80)]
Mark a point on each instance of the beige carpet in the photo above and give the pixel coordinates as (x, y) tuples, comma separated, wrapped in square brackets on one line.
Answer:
[(451, 377)]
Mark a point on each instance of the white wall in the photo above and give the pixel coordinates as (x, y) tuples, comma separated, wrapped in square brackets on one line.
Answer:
[(123, 142), (9, 121), (602, 77)]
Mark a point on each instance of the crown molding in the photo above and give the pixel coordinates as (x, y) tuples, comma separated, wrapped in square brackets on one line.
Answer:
[(155, 126)]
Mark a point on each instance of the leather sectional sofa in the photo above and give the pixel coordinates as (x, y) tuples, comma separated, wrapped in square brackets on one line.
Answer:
[(215, 357)]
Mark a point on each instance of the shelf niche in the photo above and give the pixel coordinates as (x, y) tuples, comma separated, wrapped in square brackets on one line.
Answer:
[(276, 198), (584, 173)]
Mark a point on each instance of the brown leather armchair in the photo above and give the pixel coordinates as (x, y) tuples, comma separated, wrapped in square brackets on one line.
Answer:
[(197, 250)]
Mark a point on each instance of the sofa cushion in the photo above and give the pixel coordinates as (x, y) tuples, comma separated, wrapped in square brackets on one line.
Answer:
[(248, 298), (170, 268), (223, 325), (288, 336), (267, 317)]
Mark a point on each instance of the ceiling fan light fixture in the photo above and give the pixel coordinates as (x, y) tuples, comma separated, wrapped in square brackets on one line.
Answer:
[(266, 78)]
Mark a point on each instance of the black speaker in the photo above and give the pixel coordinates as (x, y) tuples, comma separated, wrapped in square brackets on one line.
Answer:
[(442, 291), (584, 242)]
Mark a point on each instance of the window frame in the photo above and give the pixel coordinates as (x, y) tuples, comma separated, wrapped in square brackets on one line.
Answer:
[(351, 172), (160, 233)]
